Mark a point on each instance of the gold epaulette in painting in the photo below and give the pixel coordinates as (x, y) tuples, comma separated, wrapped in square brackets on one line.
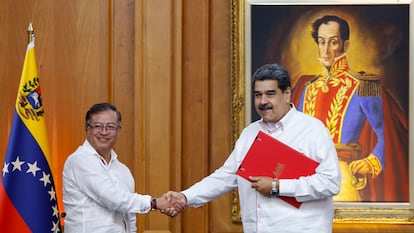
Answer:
[(369, 84)]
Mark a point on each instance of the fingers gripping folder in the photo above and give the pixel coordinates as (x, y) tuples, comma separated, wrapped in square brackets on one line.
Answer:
[(270, 157)]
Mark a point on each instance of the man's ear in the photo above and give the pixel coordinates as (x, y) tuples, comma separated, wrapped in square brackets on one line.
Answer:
[(288, 93), (288, 90), (346, 45)]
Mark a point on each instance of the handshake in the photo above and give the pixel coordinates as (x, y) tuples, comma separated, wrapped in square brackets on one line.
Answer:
[(171, 203)]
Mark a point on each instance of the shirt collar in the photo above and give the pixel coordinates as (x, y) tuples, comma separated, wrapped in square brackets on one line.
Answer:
[(270, 127), (92, 150)]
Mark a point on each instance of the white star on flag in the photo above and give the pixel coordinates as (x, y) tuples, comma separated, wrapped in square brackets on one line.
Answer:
[(52, 194), (33, 168), (5, 168), (17, 164), (46, 179), (55, 227), (55, 211)]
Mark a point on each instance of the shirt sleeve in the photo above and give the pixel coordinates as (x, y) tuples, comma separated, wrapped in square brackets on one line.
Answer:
[(216, 184), (131, 221), (88, 175), (326, 180)]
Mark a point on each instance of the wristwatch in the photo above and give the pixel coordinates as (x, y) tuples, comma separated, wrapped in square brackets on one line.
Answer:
[(275, 187), (153, 203)]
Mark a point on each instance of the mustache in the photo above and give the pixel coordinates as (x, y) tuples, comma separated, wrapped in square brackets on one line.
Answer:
[(265, 106)]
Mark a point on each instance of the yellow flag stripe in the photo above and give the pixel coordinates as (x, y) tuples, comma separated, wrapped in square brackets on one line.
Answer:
[(32, 117)]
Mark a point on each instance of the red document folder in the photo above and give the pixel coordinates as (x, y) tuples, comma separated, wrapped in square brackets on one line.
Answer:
[(268, 156)]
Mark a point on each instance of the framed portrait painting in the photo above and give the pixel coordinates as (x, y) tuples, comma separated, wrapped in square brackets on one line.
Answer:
[(377, 50)]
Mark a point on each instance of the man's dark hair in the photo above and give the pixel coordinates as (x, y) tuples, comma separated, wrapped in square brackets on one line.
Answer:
[(100, 107), (273, 72), (343, 26)]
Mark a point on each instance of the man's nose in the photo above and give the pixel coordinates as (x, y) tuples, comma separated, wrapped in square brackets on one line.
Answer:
[(104, 130), (325, 49), (264, 99)]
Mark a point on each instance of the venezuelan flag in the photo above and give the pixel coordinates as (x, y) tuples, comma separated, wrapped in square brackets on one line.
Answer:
[(28, 200)]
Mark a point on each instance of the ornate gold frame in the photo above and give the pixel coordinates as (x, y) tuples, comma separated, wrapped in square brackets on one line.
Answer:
[(344, 212)]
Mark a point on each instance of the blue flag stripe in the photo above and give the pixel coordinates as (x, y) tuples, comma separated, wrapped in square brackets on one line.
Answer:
[(29, 182)]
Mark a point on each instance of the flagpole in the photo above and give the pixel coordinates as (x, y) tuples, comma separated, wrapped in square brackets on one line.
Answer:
[(30, 32)]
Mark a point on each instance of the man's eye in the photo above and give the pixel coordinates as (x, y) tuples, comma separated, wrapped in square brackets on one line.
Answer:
[(110, 127)]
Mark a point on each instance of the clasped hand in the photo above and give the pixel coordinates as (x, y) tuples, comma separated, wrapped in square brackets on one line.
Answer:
[(171, 203)]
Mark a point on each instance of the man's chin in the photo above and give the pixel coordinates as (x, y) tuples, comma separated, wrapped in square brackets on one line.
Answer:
[(327, 64), (268, 120)]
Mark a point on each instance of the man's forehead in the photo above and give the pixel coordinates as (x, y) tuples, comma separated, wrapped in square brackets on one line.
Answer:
[(329, 37), (331, 28), (264, 90), (265, 86)]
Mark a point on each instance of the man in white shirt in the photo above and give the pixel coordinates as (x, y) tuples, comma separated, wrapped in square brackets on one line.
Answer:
[(261, 209), (98, 190)]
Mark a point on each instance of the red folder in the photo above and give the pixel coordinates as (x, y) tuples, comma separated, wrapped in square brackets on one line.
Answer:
[(268, 156)]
